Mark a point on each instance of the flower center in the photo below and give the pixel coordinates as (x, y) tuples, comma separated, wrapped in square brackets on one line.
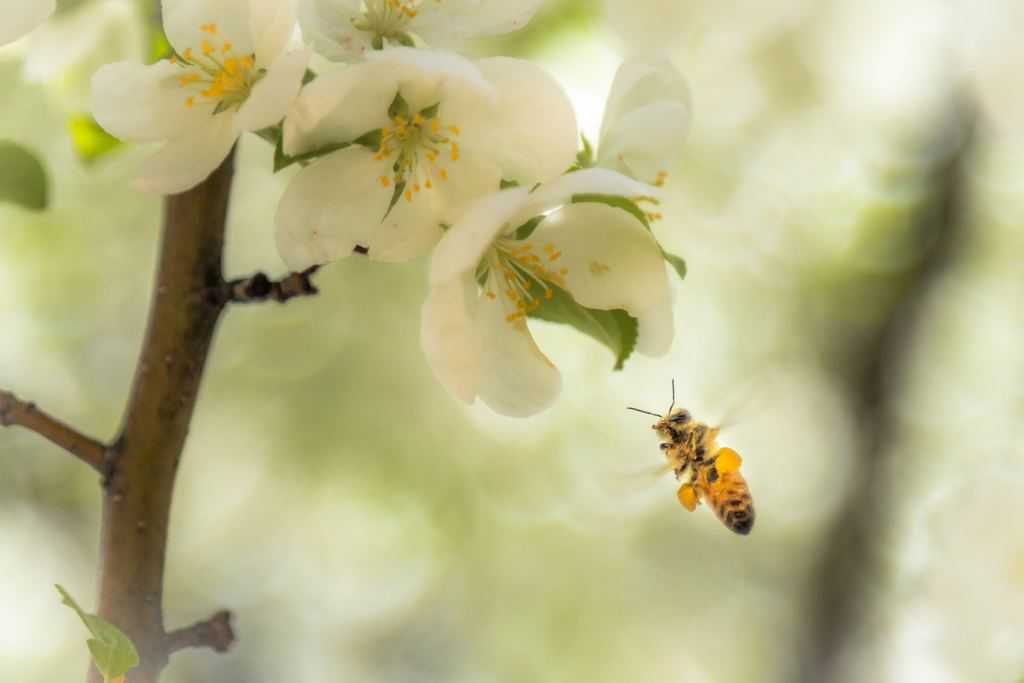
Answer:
[(523, 274), (215, 74), (388, 20), (418, 144)]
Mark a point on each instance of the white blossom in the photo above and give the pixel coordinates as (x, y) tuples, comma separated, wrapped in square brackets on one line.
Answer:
[(232, 72), (446, 130), (347, 30), (645, 120), (21, 16), (485, 280)]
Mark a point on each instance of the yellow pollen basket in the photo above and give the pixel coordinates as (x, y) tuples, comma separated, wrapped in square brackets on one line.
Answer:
[(687, 496), (216, 75), (727, 460), (416, 146)]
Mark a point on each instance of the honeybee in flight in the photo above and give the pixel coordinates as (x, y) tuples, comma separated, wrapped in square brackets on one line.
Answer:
[(709, 473)]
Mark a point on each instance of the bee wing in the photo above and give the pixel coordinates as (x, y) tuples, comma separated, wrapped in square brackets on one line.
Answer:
[(635, 480)]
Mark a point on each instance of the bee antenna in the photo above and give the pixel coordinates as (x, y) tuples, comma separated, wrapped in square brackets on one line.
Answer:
[(673, 395), (645, 412)]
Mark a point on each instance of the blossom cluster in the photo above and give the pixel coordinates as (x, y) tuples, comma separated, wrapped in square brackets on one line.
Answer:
[(408, 148)]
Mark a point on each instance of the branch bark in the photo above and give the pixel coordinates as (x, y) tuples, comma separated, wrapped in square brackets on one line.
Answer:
[(22, 414), (215, 633), (258, 288), (144, 458)]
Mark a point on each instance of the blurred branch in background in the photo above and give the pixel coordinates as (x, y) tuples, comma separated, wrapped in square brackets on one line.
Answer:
[(851, 561), (22, 414)]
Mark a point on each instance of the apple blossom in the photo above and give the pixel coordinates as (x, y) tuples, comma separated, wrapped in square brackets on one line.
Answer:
[(515, 253), (347, 30), (411, 137), (645, 120), (21, 16), (231, 72)]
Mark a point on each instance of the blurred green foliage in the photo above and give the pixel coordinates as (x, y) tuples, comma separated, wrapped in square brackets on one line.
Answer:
[(22, 177)]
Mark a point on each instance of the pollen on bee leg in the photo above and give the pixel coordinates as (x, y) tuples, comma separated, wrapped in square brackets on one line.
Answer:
[(727, 460), (687, 496)]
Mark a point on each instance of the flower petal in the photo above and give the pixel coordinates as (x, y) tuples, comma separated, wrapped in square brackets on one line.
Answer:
[(435, 76), (184, 19), (465, 243), (185, 161), (449, 336), (532, 138), (330, 207), (341, 106), (646, 119), (516, 378), (327, 24), (271, 25), (143, 103), (588, 181), (451, 22), (608, 260), (21, 16), (273, 95)]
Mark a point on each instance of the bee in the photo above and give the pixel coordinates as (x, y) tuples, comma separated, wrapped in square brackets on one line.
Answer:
[(710, 474)]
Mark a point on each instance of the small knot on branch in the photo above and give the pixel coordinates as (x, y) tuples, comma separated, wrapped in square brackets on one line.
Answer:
[(257, 288), (214, 633)]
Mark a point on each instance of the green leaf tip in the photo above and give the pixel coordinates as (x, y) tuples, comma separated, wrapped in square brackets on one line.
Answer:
[(88, 138), (23, 179), (112, 651), (616, 329)]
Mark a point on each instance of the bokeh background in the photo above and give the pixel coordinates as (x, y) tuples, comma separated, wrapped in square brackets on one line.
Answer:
[(849, 204)]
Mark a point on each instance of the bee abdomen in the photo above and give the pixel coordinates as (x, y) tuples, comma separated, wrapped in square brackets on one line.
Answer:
[(732, 503)]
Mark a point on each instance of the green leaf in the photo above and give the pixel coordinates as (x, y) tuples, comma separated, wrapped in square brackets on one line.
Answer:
[(526, 229), (395, 196), (271, 134), (22, 177), (282, 160), (615, 329), (399, 107), (431, 111), (677, 262), (112, 651), (308, 77), (506, 184), (585, 157), (88, 138), (614, 201)]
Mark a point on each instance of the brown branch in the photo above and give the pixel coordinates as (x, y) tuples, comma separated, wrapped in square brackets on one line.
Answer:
[(214, 633), (144, 459), (258, 288), (21, 414)]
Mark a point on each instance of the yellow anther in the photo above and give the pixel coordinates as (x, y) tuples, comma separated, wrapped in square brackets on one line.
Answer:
[(207, 48), (443, 173), (490, 295), (455, 152), (428, 184), (554, 256), (549, 247), (549, 293), (454, 129), (408, 196), (187, 54), (415, 187), (417, 119), (435, 125), (189, 101), (225, 48), (431, 156), (384, 181), (563, 271), (210, 28)]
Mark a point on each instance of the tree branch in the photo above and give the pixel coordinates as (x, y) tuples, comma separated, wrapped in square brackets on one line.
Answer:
[(258, 288), (144, 459), (215, 633), (21, 414)]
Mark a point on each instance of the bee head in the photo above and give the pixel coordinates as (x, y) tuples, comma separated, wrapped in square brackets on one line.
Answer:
[(679, 416)]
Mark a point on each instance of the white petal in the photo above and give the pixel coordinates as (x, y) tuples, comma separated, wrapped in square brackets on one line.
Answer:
[(143, 103), (656, 325), (516, 378), (435, 76), (273, 95), (588, 181), (531, 129), (184, 162), (327, 24), (271, 25), (21, 16), (465, 243), (330, 207), (646, 119), (410, 230), (450, 338), (341, 106), (613, 262), (448, 23), (183, 20)]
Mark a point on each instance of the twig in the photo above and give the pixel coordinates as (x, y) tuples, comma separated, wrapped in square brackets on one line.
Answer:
[(257, 288), (19, 413), (214, 633)]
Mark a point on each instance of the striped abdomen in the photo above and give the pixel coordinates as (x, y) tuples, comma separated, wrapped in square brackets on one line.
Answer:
[(727, 494)]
